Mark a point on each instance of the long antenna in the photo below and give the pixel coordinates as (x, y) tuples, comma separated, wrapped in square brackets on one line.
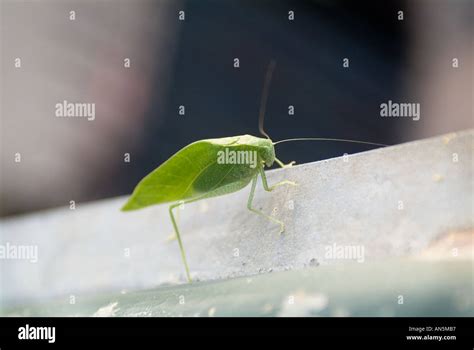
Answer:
[(327, 139), (263, 102), (263, 105)]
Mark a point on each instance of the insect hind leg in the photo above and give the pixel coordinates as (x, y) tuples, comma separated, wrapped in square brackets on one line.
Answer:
[(249, 206), (172, 235), (178, 237)]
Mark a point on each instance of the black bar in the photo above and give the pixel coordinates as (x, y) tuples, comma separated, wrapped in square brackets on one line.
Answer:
[(355, 331)]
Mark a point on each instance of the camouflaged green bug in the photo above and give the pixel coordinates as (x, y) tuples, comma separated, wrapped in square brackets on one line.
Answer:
[(211, 168)]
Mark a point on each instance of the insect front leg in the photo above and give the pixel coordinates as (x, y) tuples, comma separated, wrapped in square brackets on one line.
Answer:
[(281, 183), (249, 206), (280, 163)]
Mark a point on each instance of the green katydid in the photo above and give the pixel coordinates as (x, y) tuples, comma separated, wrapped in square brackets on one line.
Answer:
[(195, 173)]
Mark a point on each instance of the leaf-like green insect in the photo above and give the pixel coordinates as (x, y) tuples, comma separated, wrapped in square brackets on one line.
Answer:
[(214, 167)]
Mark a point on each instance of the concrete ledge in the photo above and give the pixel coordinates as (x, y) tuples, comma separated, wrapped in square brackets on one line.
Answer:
[(346, 201)]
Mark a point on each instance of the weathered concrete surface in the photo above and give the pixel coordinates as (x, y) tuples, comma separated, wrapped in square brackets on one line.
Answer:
[(395, 288), (348, 203)]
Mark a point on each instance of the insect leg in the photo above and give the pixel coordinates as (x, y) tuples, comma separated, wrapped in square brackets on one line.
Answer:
[(172, 235), (265, 183), (280, 163), (249, 206), (183, 254)]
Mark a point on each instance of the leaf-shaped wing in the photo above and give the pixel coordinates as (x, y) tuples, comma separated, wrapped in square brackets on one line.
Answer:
[(173, 180)]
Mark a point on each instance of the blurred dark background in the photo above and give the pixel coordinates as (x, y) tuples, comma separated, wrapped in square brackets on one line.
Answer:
[(329, 101), (190, 63)]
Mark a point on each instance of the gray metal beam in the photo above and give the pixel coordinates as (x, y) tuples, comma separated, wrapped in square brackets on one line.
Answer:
[(391, 202)]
